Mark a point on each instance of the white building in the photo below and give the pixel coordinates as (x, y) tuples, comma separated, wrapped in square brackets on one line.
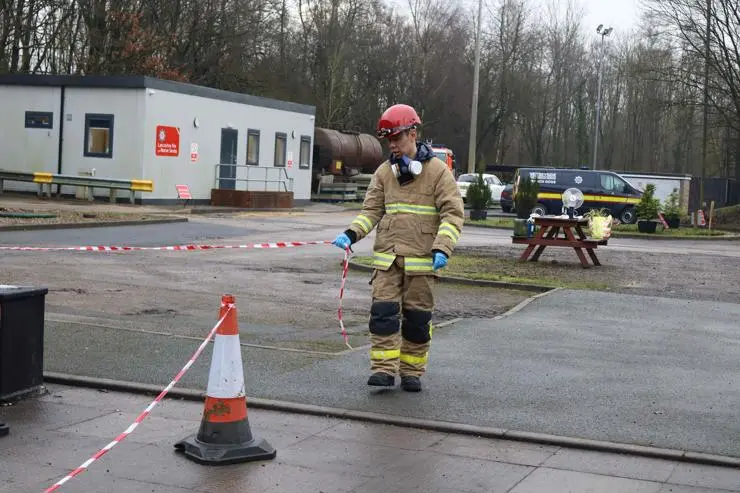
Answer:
[(142, 128), (664, 185)]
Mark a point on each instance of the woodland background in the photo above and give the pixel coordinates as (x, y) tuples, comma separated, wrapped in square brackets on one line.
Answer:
[(671, 89)]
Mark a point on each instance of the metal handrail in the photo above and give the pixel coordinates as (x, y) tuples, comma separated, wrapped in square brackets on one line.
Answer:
[(284, 181)]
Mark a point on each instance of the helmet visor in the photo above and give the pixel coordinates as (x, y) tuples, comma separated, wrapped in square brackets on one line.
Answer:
[(390, 132)]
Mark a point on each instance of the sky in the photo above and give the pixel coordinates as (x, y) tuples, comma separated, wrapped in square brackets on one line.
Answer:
[(623, 15)]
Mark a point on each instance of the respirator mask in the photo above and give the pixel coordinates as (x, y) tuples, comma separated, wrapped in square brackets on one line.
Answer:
[(405, 166), (406, 169)]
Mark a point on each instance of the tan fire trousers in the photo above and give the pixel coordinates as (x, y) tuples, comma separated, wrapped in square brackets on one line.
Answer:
[(401, 321)]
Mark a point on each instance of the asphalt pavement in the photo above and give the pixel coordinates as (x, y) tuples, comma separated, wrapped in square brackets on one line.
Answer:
[(308, 226), (629, 369), (140, 235), (634, 370)]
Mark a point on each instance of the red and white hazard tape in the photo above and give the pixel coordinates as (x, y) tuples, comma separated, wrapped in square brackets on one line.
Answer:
[(83, 467), (144, 414), (280, 244), (341, 296)]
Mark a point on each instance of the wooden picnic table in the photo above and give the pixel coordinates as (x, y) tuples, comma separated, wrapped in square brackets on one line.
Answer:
[(547, 235)]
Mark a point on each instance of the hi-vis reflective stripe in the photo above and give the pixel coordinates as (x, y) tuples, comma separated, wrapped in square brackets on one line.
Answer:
[(401, 208), (363, 222), (415, 360), (448, 229), (614, 199), (42, 177), (378, 354), (383, 260), (413, 264), (142, 185)]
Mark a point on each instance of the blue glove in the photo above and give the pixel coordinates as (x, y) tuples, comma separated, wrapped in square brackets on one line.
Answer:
[(440, 260), (342, 241)]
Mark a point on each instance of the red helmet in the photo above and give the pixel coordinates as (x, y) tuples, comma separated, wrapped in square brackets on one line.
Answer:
[(396, 119)]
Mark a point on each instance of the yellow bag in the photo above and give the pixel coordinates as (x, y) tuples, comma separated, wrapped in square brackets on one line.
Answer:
[(601, 227)]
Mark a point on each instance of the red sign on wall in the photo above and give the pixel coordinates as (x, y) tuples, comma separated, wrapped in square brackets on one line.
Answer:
[(168, 141), (183, 192)]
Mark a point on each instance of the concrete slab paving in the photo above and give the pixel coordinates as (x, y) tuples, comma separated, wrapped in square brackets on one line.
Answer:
[(604, 464), (706, 477), (544, 479), (315, 455), (675, 488)]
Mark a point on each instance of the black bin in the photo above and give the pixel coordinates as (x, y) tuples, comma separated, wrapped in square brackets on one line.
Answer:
[(21, 341)]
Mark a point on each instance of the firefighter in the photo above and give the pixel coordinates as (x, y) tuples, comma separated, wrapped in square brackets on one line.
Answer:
[(415, 203)]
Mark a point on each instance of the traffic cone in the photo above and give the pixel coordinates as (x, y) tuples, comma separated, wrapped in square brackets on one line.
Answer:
[(225, 436)]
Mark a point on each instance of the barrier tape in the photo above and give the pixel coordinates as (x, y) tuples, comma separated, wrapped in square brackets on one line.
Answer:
[(341, 296), (280, 244), (146, 412)]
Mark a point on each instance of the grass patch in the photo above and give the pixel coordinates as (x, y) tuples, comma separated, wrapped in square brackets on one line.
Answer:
[(26, 216), (486, 268), (680, 232), (630, 229), (493, 222)]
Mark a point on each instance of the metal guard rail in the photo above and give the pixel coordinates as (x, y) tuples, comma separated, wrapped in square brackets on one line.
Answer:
[(284, 181), (50, 179)]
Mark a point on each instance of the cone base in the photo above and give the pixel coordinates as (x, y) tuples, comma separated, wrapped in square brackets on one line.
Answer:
[(4, 429), (208, 453)]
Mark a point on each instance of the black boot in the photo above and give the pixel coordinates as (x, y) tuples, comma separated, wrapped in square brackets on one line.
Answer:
[(411, 383), (381, 379)]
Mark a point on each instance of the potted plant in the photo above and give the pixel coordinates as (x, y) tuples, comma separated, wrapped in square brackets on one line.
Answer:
[(479, 197), (525, 198), (672, 210), (599, 223), (647, 210)]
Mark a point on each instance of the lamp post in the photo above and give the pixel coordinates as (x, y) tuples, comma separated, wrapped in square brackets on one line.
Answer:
[(474, 109), (603, 33)]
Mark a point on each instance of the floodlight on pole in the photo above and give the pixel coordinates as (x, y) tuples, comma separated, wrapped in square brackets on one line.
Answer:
[(474, 109), (603, 33)]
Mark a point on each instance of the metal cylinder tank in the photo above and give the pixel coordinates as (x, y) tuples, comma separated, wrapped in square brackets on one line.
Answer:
[(356, 151)]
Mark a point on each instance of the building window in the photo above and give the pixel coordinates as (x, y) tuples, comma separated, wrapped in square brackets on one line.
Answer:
[(98, 135), (281, 146), (253, 147), (39, 119), (305, 155)]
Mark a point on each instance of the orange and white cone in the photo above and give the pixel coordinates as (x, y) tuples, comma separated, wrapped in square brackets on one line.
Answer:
[(225, 436)]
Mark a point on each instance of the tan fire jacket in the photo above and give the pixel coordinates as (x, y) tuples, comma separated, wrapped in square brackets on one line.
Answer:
[(412, 220)]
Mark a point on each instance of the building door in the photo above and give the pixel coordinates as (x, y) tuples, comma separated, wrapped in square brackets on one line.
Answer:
[(229, 139)]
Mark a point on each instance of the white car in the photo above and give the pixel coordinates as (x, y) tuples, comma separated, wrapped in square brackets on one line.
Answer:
[(464, 181)]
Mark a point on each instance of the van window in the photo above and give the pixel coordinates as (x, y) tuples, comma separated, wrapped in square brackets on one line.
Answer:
[(613, 184)]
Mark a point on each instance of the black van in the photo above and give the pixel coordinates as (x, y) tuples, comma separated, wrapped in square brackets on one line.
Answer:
[(601, 190)]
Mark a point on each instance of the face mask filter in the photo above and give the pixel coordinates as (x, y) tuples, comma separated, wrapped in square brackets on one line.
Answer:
[(405, 166)]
